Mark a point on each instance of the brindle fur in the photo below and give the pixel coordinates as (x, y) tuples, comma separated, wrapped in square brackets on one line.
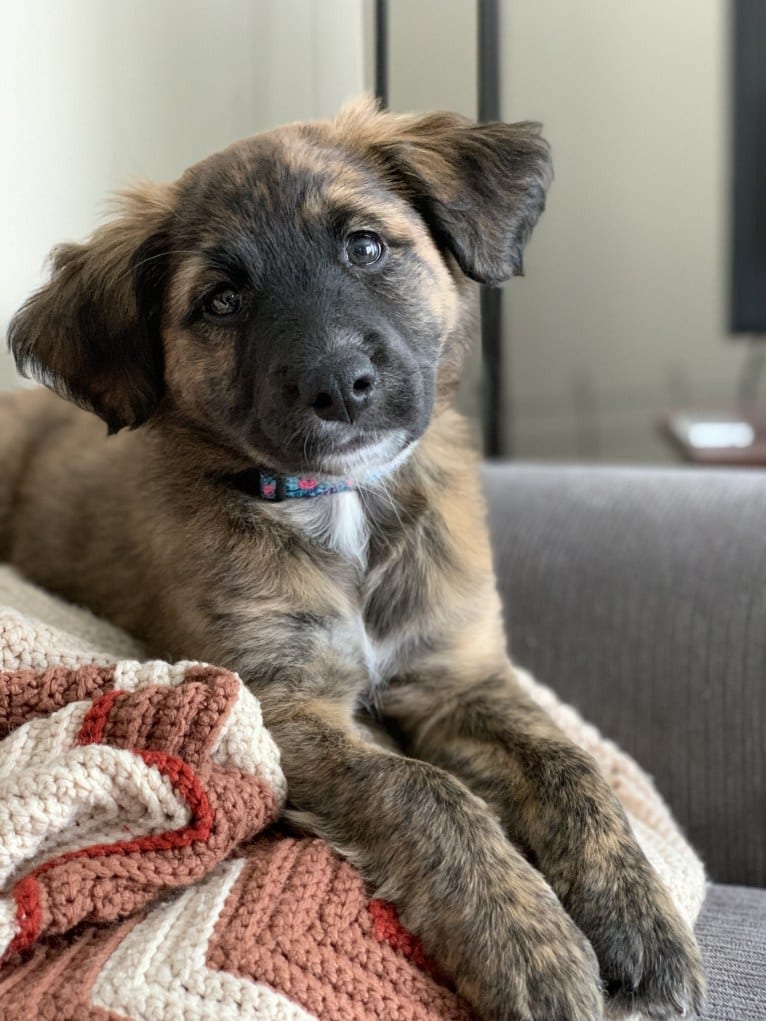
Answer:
[(499, 841)]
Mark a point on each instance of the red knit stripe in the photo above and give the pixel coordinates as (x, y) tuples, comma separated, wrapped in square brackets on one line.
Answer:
[(28, 915), (388, 929), (93, 726)]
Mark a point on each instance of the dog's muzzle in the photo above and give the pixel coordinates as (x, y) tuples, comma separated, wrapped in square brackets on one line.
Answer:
[(336, 389)]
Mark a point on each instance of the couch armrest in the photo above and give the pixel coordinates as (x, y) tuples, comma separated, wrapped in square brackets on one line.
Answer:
[(639, 595)]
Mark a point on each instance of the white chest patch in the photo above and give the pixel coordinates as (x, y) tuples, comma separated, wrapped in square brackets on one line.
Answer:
[(380, 660), (337, 522)]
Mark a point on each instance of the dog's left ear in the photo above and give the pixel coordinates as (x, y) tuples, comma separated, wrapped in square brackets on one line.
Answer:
[(92, 333), (479, 187)]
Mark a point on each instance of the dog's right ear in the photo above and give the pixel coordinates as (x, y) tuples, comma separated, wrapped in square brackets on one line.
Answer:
[(92, 333)]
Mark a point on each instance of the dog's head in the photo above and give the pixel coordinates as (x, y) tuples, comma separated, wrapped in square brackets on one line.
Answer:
[(298, 295)]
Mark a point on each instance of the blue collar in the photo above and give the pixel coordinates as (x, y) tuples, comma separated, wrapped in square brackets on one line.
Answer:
[(276, 488)]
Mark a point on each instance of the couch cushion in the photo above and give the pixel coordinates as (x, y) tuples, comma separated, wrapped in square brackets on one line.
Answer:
[(732, 934), (638, 595)]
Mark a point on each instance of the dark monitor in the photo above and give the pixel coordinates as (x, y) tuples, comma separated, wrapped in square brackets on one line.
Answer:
[(748, 256)]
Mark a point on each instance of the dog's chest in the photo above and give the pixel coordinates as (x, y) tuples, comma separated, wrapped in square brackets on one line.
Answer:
[(337, 523)]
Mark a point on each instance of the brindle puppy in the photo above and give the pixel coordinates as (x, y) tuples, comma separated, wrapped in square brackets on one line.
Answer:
[(299, 303)]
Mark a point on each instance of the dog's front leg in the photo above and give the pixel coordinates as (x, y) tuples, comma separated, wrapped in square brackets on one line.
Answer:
[(431, 846), (555, 804)]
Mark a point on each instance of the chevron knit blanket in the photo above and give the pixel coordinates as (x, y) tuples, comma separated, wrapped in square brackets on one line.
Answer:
[(141, 875)]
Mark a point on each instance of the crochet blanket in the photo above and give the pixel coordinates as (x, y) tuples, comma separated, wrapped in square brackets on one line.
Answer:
[(141, 877)]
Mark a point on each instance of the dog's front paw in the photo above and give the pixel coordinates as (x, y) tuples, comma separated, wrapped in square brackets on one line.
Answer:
[(547, 970), (652, 964), (551, 972), (649, 959), (526, 960)]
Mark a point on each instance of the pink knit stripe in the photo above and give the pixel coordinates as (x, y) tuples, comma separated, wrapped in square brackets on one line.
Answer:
[(28, 694), (52, 982), (298, 920), (172, 729), (182, 721)]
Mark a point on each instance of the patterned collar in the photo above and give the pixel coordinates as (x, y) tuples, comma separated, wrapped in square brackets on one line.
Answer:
[(276, 488)]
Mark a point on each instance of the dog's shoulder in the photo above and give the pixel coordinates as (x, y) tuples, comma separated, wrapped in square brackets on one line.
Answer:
[(31, 421)]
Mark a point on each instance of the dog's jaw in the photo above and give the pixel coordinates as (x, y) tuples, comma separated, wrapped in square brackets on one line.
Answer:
[(381, 457)]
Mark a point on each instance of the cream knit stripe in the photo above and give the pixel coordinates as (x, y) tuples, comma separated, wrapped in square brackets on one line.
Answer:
[(159, 971), (39, 742), (25, 645), (100, 826), (682, 872), (130, 675), (245, 742), (73, 627), (87, 788), (8, 926)]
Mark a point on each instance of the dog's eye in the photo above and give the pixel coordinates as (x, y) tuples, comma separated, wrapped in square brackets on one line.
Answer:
[(224, 301), (364, 248)]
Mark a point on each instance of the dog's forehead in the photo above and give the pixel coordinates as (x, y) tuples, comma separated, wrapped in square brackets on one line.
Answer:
[(293, 175)]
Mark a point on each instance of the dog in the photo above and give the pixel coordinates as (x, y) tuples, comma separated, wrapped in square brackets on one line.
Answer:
[(274, 342)]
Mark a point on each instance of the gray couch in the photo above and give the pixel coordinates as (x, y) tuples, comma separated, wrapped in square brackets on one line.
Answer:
[(639, 595)]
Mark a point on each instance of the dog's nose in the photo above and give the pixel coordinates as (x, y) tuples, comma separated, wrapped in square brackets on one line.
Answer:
[(338, 389)]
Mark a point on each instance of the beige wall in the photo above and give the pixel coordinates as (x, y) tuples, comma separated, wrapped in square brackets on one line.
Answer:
[(622, 311), (94, 92), (623, 308), (432, 55)]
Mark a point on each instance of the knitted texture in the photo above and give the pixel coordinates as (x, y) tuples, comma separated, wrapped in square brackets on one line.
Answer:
[(110, 796), (122, 781)]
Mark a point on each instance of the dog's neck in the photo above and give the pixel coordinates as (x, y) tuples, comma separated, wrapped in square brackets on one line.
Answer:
[(341, 521), (263, 484)]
